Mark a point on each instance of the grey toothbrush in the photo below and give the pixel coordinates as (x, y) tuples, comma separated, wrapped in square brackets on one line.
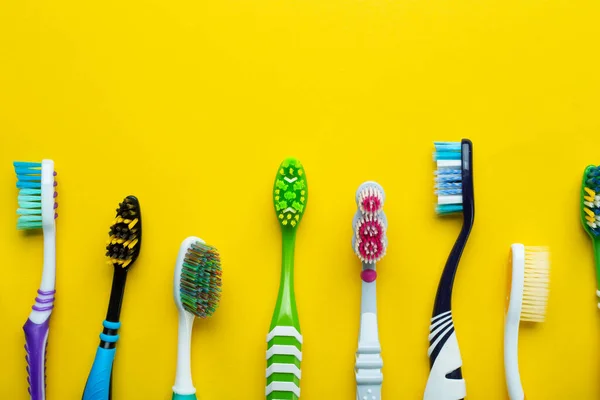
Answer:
[(369, 242)]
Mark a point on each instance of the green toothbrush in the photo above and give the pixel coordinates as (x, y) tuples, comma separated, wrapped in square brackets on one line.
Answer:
[(284, 341), (590, 213)]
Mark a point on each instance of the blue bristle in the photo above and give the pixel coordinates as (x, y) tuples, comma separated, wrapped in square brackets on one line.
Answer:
[(25, 164), (29, 181), (448, 208), (28, 185)]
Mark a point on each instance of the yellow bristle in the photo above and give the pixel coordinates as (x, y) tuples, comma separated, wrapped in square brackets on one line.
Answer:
[(133, 223), (536, 284), (589, 191), (589, 212), (588, 198), (281, 171), (591, 219), (293, 223), (132, 244), (276, 198), (289, 216), (276, 191), (280, 216), (300, 172), (284, 222), (126, 263), (297, 217)]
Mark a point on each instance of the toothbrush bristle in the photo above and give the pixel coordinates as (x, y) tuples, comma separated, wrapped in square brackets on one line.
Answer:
[(536, 284), (125, 234), (369, 241), (591, 200), (200, 283), (370, 245), (29, 183), (370, 200), (448, 177), (290, 193)]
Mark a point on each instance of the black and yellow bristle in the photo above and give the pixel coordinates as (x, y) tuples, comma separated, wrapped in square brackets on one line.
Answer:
[(125, 234), (200, 284)]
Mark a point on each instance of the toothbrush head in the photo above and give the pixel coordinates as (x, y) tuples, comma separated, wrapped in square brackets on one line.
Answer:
[(36, 182), (590, 201), (448, 177), (125, 236), (369, 241), (530, 280), (197, 284), (290, 193)]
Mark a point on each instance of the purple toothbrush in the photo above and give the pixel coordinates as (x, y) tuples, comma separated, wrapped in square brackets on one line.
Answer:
[(37, 210)]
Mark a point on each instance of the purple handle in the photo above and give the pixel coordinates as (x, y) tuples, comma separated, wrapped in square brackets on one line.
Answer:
[(36, 341)]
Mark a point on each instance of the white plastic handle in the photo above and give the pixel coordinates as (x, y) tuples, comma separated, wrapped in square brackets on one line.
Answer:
[(438, 386)]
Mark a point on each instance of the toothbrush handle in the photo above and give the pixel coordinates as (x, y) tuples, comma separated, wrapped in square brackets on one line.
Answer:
[(99, 382), (36, 341), (368, 363), (445, 377), (284, 355)]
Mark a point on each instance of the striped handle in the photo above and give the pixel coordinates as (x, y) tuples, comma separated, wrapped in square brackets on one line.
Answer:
[(445, 378), (368, 372), (36, 342), (183, 396), (99, 382), (284, 355)]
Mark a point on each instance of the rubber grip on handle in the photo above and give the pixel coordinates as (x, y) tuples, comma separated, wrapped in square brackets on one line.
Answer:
[(36, 340), (99, 381), (184, 396)]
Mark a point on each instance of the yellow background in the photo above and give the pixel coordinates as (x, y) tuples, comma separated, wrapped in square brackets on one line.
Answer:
[(191, 105)]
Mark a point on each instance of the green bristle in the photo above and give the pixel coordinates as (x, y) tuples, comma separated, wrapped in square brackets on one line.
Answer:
[(290, 193), (200, 283)]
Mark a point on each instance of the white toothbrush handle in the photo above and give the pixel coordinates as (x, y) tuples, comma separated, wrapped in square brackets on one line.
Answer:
[(448, 360), (511, 359), (368, 356), (183, 378)]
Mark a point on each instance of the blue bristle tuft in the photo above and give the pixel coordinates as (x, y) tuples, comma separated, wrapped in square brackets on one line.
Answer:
[(29, 181), (447, 151), (444, 209)]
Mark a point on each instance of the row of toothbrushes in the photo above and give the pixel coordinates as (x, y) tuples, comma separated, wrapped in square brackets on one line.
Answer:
[(198, 279), (197, 284)]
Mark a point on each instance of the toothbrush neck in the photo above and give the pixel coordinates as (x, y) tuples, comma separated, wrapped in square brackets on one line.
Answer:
[(116, 294), (288, 245)]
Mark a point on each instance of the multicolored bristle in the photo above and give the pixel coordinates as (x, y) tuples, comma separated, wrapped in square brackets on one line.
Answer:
[(200, 281), (536, 284), (125, 234), (29, 183), (448, 177), (590, 199), (290, 193), (370, 224)]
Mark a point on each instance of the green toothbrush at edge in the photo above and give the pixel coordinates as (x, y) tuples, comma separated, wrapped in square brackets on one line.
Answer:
[(284, 341), (590, 205)]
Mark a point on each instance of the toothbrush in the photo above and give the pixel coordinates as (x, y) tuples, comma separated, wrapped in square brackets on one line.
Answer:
[(590, 214), (284, 341), (454, 185), (123, 249), (37, 210), (369, 243), (197, 291), (527, 302)]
